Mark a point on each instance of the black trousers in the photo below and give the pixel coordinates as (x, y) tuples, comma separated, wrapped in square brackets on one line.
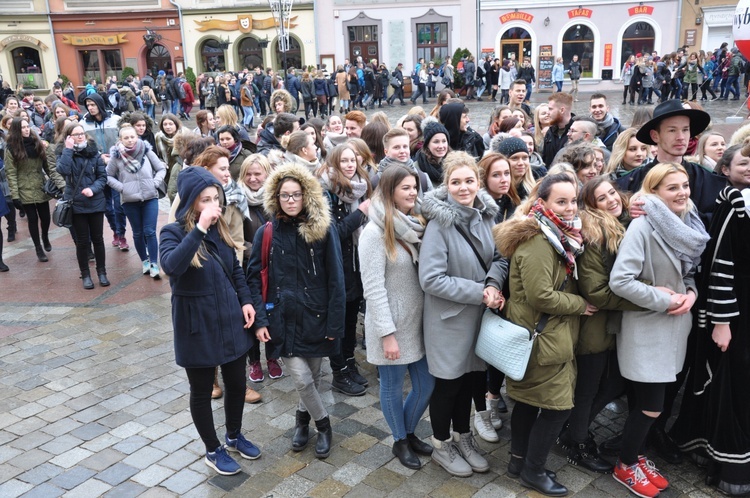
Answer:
[(451, 402), (349, 341), (591, 368), (11, 216), (38, 214), (648, 397), (201, 384), (533, 432), (85, 226)]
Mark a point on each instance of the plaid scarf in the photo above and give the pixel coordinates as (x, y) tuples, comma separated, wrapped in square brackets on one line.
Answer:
[(564, 236), (133, 157), (234, 195)]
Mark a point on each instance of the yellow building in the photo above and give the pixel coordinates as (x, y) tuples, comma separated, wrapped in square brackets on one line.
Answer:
[(706, 24)]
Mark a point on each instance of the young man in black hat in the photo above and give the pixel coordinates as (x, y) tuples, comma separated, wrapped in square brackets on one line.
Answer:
[(670, 130)]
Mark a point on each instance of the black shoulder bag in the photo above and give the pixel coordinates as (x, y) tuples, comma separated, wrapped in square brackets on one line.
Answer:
[(62, 216)]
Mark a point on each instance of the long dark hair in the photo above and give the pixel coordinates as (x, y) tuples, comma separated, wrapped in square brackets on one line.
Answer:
[(14, 142)]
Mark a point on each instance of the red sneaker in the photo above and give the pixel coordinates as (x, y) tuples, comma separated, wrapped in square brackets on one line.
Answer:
[(256, 372), (116, 241), (274, 369), (652, 473), (124, 244), (633, 478)]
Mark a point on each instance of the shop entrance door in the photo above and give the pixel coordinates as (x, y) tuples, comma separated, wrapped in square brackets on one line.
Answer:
[(511, 49)]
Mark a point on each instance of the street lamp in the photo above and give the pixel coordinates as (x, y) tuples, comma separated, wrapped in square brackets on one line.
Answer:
[(282, 14)]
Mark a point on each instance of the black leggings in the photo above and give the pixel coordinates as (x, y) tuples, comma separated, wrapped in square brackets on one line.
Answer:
[(648, 397), (37, 213), (201, 384), (533, 433), (11, 216), (591, 368), (495, 380), (451, 402), (85, 226), (349, 341), (479, 390)]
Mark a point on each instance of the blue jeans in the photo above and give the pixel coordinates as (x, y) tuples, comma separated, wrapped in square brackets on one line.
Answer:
[(150, 110), (247, 119), (559, 85), (113, 211), (733, 86), (403, 416), (175, 106), (142, 216), (528, 91)]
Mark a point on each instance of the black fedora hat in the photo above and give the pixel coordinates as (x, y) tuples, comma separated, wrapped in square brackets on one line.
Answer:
[(699, 120)]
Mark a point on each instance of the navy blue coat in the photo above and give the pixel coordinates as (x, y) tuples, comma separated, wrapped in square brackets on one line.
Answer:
[(306, 294), (347, 223), (206, 311), (70, 163)]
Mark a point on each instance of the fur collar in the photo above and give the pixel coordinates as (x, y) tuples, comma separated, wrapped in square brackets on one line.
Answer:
[(318, 221), (514, 232), (437, 207)]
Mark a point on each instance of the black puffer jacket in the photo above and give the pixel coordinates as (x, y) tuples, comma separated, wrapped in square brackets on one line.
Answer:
[(306, 296), (347, 222), (70, 164)]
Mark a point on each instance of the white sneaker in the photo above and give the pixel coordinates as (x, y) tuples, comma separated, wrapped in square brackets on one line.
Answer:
[(146, 267), (154, 271), (484, 428)]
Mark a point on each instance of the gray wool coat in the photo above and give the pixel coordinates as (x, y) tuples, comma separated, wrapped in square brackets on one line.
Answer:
[(453, 280), (651, 345), (394, 299)]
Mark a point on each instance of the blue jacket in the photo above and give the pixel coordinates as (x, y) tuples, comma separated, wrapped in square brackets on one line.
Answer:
[(306, 299), (206, 310), (321, 87), (70, 164)]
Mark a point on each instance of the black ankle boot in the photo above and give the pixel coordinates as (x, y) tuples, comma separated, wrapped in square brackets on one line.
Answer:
[(325, 434), (419, 446), (3, 266), (47, 246), (301, 430), (344, 384), (351, 366), (103, 278), (403, 451), (40, 255), (515, 466), (664, 446), (87, 282), (542, 482)]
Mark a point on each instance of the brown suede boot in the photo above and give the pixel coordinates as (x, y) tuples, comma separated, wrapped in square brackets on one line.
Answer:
[(217, 392)]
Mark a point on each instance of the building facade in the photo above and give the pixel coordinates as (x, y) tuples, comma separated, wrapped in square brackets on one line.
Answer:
[(395, 32), (706, 24), (235, 34), (27, 49), (603, 35), (96, 39)]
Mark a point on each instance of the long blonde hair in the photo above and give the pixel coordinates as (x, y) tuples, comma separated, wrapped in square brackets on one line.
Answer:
[(619, 148), (600, 228)]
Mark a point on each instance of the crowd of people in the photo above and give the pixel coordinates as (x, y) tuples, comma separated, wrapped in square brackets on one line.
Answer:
[(626, 243)]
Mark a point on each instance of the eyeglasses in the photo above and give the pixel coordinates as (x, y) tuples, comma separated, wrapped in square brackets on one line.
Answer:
[(286, 197), (76, 135)]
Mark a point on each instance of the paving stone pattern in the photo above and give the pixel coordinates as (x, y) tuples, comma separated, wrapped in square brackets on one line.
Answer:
[(94, 405)]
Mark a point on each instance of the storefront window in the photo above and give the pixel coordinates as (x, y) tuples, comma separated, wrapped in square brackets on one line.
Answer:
[(101, 64), (579, 40), (158, 59), (515, 42), (251, 55), (432, 41), (212, 56), (293, 55), (638, 38), (28, 67)]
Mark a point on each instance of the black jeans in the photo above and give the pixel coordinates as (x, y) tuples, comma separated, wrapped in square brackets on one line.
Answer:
[(533, 433), (11, 216), (591, 368), (648, 397), (451, 402), (38, 214), (85, 226), (349, 341), (201, 384)]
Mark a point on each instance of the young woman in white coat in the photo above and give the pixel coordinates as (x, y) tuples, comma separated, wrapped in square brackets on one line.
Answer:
[(654, 269), (461, 274), (388, 255)]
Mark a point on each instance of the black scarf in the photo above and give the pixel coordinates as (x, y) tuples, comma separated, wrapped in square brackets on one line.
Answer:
[(29, 144), (434, 171)]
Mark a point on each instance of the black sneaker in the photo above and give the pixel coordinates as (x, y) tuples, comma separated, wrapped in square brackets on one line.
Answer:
[(344, 384)]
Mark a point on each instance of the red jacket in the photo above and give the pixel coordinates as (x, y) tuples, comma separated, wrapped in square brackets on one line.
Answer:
[(189, 97)]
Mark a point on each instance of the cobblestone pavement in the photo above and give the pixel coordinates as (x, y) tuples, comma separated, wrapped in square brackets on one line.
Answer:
[(93, 404)]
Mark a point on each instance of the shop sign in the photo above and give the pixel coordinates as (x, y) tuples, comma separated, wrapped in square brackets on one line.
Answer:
[(690, 37), (516, 16), (244, 23), (641, 10), (21, 38), (579, 13), (84, 40), (607, 54)]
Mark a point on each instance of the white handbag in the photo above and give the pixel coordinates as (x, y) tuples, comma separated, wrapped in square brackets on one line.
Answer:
[(504, 345)]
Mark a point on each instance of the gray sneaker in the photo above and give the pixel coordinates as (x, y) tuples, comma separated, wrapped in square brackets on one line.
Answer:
[(497, 422), (467, 445), (447, 455)]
